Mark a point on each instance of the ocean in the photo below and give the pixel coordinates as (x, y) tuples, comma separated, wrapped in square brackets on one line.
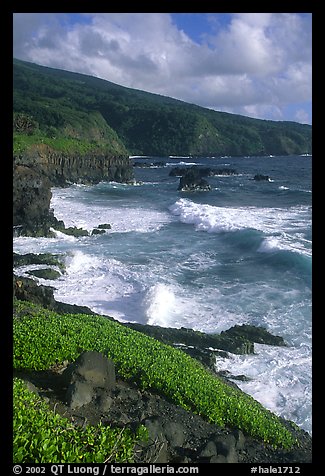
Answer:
[(238, 254)]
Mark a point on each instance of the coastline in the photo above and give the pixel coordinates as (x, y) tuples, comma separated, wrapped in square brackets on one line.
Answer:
[(30, 291), (202, 347)]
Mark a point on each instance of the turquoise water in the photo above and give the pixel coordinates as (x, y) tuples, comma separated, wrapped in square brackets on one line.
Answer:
[(240, 253)]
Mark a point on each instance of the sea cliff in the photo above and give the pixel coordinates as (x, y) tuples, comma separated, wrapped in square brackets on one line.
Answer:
[(40, 168)]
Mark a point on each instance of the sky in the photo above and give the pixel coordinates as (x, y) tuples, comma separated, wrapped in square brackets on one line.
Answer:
[(254, 64)]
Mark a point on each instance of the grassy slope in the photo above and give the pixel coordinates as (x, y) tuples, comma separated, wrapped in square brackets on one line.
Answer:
[(66, 104), (144, 360)]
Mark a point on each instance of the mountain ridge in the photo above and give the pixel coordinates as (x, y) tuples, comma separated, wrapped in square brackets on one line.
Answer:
[(66, 104)]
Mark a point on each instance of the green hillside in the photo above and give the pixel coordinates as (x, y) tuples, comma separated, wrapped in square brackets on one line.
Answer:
[(79, 113)]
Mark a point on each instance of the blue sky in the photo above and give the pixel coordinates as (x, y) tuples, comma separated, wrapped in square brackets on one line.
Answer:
[(254, 64)]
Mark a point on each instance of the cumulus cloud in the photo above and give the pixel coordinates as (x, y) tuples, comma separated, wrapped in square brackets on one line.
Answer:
[(255, 64)]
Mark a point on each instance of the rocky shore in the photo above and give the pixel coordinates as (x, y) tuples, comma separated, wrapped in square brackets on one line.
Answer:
[(35, 172), (175, 435)]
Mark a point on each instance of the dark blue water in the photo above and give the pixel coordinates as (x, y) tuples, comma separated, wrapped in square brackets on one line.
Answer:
[(240, 253)]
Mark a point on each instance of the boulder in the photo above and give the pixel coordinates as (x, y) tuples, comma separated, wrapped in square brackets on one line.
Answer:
[(41, 258), (94, 368), (192, 184), (200, 171), (101, 229), (104, 226), (174, 433), (260, 177), (220, 449), (226, 446), (47, 273), (157, 447), (97, 231), (73, 231), (79, 394), (91, 376), (26, 289), (259, 335), (191, 179), (209, 450)]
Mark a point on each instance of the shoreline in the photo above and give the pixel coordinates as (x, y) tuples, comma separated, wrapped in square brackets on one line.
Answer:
[(238, 445), (201, 347)]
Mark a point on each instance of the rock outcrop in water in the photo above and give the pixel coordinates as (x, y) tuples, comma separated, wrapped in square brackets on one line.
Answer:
[(191, 179), (201, 171), (260, 177)]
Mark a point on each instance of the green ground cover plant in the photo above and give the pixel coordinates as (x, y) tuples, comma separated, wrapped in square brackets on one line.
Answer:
[(43, 338), (42, 436)]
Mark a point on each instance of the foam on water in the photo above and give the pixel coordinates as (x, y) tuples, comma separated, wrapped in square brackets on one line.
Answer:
[(213, 219), (276, 379), (97, 282), (184, 164), (57, 244), (89, 214), (137, 293), (159, 304)]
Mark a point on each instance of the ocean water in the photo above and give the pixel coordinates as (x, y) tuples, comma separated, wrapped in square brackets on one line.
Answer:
[(239, 254)]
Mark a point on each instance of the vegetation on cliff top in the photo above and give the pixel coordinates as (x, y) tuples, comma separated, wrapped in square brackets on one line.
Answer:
[(73, 110), (143, 360)]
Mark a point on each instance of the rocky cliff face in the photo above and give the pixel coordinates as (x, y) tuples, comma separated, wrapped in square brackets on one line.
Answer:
[(61, 168), (41, 168), (31, 202)]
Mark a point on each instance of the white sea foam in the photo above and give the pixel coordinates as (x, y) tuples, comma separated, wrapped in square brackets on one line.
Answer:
[(89, 214), (179, 156), (57, 244), (160, 302), (62, 236), (137, 293), (276, 379), (184, 164), (285, 223), (170, 305), (140, 157), (103, 284)]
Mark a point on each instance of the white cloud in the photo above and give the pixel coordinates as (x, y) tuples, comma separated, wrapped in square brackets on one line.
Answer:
[(302, 116), (258, 62)]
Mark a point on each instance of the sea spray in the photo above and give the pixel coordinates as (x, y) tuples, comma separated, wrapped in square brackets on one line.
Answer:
[(160, 302)]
